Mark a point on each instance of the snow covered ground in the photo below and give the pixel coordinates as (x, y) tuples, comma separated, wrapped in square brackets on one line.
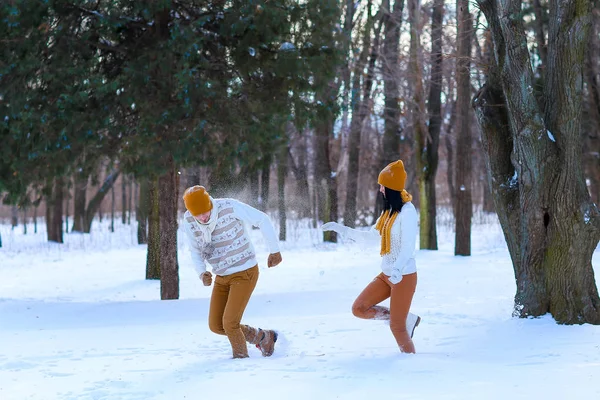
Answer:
[(78, 321)]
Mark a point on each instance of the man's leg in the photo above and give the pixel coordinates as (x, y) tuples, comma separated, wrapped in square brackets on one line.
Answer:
[(365, 306), (400, 300), (218, 301), (241, 285)]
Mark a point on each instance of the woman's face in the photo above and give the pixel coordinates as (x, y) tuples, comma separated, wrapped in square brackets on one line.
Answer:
[(382, 189)]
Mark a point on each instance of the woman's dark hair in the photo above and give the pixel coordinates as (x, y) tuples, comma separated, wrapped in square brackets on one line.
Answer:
[(392, 200)]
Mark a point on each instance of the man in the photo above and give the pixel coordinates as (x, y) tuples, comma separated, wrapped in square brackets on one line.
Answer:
[(218, 236)]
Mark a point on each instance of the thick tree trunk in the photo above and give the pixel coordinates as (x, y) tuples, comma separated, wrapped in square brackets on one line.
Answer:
[(55, 211), (96, 201), (79, 200), (281, 175), (153, 238), (591, 137), (429, 155), (326, 184), (463, 176), (551, 226), (169, 267)]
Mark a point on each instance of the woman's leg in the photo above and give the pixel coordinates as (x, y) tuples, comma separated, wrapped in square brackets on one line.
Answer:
[(400, 300), (365, 306)]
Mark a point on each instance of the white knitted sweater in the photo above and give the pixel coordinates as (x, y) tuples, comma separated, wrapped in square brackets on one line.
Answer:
[(401, 258), (225, 243)]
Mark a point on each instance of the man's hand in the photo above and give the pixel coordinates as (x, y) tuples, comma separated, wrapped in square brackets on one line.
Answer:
[(274, 259), (206, 278)]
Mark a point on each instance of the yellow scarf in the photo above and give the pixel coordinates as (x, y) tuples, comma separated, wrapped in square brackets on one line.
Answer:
[(385, 222), (384, 226)]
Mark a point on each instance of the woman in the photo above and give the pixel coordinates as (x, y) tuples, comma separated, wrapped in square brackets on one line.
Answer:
[(396, 229)]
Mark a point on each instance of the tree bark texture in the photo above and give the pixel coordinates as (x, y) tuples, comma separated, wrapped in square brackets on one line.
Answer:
[(153, 254), (535, 162), (463, 171), (429, 155), (167, 199), (143, 203)]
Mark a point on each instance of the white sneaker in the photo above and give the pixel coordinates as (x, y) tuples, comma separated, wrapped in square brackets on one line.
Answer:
[(412, 321)]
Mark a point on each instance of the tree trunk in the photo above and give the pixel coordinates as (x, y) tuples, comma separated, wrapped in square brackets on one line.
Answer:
[(540, 36), (591, 139), (14, 217), (123, 199), (463, 176), (112, 209), (391, 65), (153, 238), (429, 155), (169, 267), (24, 220), (281, 175), (450, 165), (79, 200), (35, 208), (265, 178), (360, 109), (254, 188), (130, 187), (551, 226), (326, 182), (55, 209), (303, 199), (96, 201), (143, 207)]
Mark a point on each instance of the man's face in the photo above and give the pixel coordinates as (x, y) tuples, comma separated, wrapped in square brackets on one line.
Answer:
[(204, 217)]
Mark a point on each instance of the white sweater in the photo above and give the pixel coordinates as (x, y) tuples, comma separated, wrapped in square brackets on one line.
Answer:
[(401, 258), (225, 243)]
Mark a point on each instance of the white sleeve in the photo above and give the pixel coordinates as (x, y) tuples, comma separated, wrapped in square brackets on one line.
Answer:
[(408, 239), (195, 250), (259, 219), (370, 236)]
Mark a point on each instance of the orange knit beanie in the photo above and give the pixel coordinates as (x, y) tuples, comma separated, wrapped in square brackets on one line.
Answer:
[(393, 176), (197, 200)]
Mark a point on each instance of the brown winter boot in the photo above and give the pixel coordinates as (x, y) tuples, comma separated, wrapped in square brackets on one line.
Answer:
[(266, 342)]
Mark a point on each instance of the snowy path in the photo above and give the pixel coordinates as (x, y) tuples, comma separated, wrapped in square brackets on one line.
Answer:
[(85, 325)]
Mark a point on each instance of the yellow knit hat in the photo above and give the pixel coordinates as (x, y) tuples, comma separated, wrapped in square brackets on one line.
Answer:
[(393, 176), (197, 200)]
